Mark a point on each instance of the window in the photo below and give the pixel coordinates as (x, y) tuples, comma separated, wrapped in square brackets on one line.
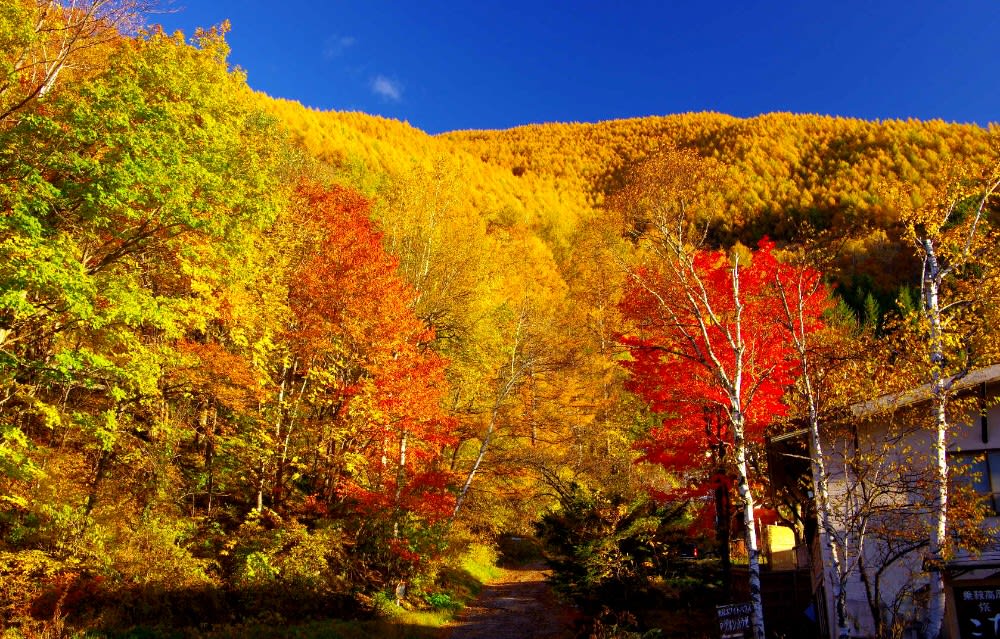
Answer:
[(981, 470)]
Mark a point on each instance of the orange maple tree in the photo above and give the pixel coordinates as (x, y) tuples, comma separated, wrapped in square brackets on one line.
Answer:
[(671, 359), (376, 377)]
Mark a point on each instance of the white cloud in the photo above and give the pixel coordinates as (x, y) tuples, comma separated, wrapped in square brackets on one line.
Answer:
[(335, 45), (387, 88)]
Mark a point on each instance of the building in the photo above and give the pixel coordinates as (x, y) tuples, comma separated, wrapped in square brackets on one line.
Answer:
[(880, 474)]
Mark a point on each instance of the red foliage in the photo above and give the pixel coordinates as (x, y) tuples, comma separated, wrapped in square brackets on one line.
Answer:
[(703, 519), (682, 370), (403, 554)]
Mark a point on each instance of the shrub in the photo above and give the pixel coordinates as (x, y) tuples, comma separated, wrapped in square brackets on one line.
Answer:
[(605, 549), (441, 601)]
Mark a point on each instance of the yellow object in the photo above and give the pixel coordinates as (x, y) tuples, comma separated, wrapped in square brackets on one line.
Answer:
[(781, 547)]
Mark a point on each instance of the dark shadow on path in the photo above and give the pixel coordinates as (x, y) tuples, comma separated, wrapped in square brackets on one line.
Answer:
[(520, 605)]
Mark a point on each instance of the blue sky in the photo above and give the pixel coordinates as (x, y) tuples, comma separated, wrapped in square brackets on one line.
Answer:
[(489, 64)]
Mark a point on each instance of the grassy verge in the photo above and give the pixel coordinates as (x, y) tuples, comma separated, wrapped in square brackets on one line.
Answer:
[(424, 613)]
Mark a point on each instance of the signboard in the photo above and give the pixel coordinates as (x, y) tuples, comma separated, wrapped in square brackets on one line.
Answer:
[(734, 620), (978, 612)]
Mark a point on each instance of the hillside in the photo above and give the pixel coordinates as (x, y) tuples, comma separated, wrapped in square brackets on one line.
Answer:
[(791, 168), (791, 175), (365, 149)]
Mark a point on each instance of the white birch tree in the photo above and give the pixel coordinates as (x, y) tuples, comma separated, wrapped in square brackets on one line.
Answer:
[(716, 323), (802, 287), (951, 233)]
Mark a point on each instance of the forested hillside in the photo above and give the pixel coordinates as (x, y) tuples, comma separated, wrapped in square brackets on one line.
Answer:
[(791, 177), (260, 362)]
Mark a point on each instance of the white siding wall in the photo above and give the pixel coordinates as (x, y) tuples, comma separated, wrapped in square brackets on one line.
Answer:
[(909, 453)]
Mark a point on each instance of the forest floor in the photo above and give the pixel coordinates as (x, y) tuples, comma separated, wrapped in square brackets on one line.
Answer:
[(519, 604)]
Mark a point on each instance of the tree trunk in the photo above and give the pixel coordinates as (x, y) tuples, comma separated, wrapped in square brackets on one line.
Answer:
[(939, 447), (750, 532), (872, 592), (95, 484), (278, 490), (833, 571), (210, 463), (475, 467), (400, 479), (277, 437), (517, 370), (936, 604)]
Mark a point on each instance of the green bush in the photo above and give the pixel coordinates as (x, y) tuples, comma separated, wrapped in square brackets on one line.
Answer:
[(441, 601)]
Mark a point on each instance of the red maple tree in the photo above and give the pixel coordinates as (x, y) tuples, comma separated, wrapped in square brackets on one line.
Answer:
[(710, 354), (688, 374)]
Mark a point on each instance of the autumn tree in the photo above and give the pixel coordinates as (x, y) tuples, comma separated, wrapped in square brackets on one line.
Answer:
[(442, 249), (375, 404), (803, 299), (118, 223), (703, 333), (43, 39), (877, 503), (950, 226), (130, 196), (519, 345)]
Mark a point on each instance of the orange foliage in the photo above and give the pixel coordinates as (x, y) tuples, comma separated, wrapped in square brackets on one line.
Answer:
[(354, 320)]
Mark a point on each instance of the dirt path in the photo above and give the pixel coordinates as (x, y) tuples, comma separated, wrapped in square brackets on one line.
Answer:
[(519, 605)]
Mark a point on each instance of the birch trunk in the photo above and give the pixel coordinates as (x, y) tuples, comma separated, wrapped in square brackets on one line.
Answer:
[(475, 468), (750, 531), (277, 433), (834, 572), (517, 369), (278, 491), (400, 479), (932, 312), (738, 423)]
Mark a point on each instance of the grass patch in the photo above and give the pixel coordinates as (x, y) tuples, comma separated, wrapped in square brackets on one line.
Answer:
[(424, 618), (480, 561)]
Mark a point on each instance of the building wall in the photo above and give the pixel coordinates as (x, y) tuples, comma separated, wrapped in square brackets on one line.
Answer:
[(896, 453)]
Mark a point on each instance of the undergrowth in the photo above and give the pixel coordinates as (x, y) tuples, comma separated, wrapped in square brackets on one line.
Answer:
[(423, 608)]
